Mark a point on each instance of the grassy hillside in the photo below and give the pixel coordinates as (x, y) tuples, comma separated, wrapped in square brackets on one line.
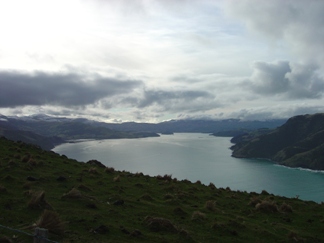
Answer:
[(297, 143), (88, 202)]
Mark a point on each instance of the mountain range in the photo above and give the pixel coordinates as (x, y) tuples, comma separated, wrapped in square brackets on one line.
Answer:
[(48, 131)]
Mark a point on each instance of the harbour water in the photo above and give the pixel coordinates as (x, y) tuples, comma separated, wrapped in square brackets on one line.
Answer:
[(196, 156)]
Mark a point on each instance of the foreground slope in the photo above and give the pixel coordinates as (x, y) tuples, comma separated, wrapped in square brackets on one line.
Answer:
[(88, 202), (297, 143)]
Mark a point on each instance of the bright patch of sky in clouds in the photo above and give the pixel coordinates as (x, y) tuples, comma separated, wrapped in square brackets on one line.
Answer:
[(151, 60)]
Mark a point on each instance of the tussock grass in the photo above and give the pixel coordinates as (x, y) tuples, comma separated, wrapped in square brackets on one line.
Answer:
[(267, 206), (147, 197), (27, 185), (138, 174), (254, 201), (116, 178), (93, 170), (210, 205), (25, 159), (38, 201), (32, 162), (181, 211), (3, 189), (160, 224), (198, 182), (286, 208), (72, 194), (166, 177), (168, 196), (198, 216), (84, 188), (51, 221), (212, 186)]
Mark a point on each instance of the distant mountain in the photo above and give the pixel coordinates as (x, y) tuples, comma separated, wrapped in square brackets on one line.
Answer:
[(167, 127), (64, 128), (47, 132), (297, 143), (201, 126), (13, 133)]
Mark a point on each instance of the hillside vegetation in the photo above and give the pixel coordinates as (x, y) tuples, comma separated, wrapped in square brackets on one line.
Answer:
[(297, 143), (88, 202)]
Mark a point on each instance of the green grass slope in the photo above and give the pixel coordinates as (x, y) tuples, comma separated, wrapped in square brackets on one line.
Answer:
[(88, 202), (300, 139)]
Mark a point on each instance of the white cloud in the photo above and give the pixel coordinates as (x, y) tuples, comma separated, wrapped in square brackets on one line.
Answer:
[(161, 59)]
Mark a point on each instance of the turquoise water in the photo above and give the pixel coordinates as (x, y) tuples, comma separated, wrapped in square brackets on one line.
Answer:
[(195, 156)]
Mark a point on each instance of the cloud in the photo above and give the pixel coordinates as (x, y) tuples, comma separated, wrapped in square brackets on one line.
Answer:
[(63, 89), (297, 22), (275, 112), (292, 81), (178, 100)]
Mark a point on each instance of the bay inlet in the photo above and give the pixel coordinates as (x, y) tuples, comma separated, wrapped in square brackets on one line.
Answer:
[(196, 156)]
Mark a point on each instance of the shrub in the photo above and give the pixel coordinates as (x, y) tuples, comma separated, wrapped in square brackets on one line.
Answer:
[(51, 221), (198, 182)]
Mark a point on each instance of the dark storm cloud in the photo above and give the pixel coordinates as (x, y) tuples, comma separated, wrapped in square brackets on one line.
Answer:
[(269, 78), (72, 89), (292, 81), (173, 99)]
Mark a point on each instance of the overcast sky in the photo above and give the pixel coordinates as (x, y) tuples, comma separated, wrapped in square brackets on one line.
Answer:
[(155, 60)]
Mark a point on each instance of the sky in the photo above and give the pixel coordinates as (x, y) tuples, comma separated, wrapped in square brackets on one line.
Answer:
[(156, 60)]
